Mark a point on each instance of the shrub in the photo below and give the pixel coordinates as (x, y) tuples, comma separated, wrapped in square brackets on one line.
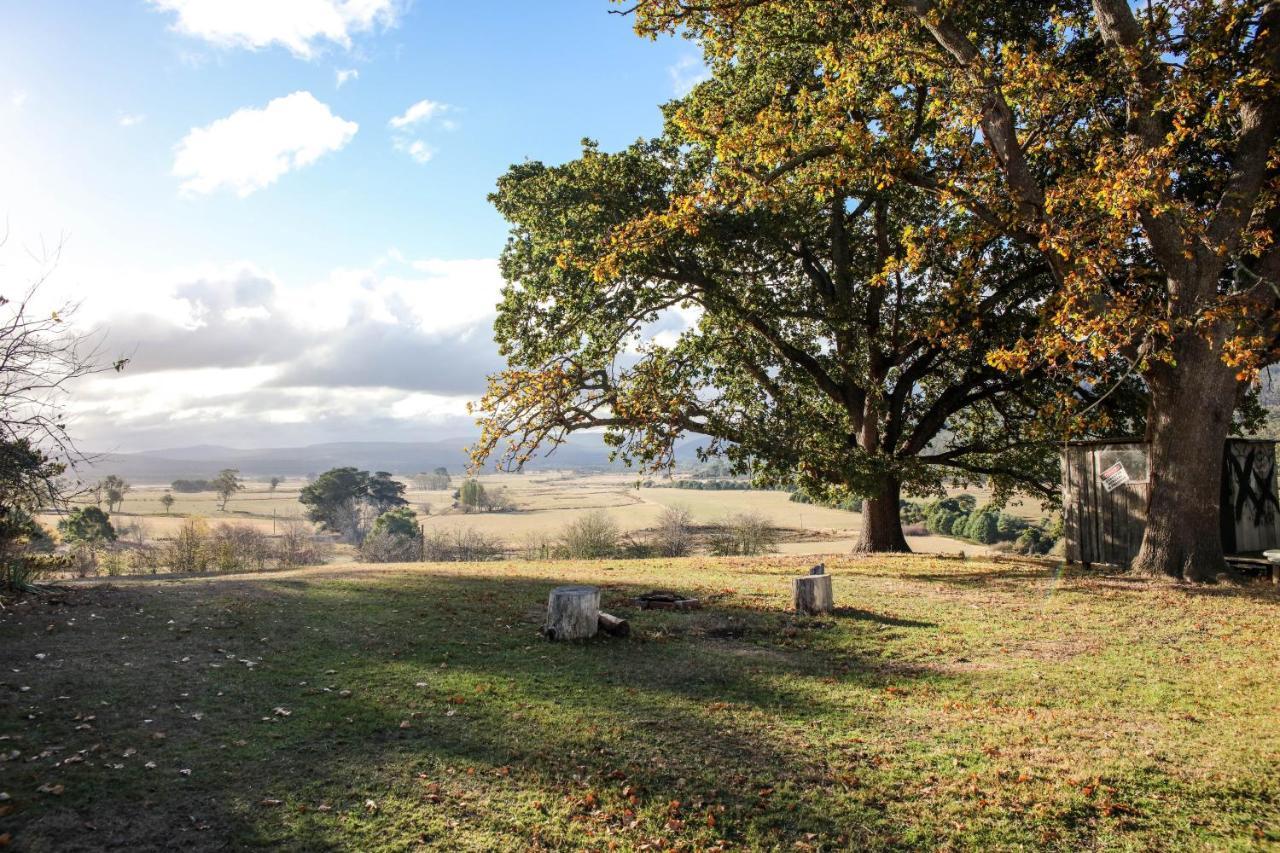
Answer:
[(983, 527), (460, 545), (746, 534), (188, 550), (591, 536), (1010, 526), (113, 561), (20, 571), (673, 536), (471, 495), (88, 525), (401, 522), (238, 548), (537, 545), (911, 513), (297, 546), (382, 545)]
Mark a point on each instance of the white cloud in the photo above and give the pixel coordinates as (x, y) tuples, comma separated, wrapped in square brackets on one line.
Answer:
[(419, 115), (251, 148), (130, 119), (688, 72), (343, 75), (301, 26), (422, 111), (420, 151), (18, 99)]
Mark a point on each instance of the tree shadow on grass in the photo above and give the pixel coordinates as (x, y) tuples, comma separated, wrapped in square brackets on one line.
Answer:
[(604, 735), (882, 618)]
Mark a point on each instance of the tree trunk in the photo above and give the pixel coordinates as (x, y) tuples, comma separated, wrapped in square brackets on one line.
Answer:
[(812, 594), (882, 522), (1191, 407), (573, 613)]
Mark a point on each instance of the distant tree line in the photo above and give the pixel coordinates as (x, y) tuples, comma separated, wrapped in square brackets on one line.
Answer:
[(716, 485)]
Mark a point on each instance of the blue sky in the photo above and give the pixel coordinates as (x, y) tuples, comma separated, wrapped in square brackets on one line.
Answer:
[(249, 202)]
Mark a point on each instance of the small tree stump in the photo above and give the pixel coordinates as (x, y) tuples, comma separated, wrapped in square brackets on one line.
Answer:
[(573, 613), (813, 594)]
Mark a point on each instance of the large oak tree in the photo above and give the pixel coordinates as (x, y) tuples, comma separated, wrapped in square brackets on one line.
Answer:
[(825, 348), (1133, 148)]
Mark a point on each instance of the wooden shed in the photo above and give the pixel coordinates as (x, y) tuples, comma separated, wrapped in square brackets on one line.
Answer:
[(1105, 491)]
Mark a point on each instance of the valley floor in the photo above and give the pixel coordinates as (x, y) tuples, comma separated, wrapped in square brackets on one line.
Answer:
[(946, 704)]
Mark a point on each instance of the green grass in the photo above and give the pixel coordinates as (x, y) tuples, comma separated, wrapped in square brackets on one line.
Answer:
[(945, 705)]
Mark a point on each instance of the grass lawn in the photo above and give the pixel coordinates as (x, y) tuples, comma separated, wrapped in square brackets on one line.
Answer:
[(947, 704)]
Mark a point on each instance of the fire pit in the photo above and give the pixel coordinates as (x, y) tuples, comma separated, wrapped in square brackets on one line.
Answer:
[(660, 599)]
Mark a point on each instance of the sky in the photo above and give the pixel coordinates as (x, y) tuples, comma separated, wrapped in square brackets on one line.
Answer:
[(277, 208)]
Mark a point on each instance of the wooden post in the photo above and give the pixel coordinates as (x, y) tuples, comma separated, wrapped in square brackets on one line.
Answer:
[(813, 594), (573, 613)]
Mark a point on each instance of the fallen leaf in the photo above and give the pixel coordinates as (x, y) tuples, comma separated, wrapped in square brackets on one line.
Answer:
[(49, 788)]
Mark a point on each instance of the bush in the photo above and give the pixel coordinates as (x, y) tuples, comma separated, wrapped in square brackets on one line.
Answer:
[(462, 545), (113, 561), (983, 527), (591, 536), (238, 548), (88, 525), (189, 486), (673, 537), (188, 550), (297, 545), (384, 546), (537, 545), (21, 571), (400, 522), (747, 534), (911, 513), (1010, 526)]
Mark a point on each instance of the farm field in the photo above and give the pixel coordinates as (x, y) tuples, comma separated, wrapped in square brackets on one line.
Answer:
[(543, 504), (947, 704)]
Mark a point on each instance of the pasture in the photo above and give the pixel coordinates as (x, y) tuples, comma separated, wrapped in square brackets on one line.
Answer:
[(543, 504), (947, 704)]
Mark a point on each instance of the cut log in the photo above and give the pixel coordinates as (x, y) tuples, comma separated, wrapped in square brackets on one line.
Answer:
[(813, 594), (614, 626), (573, 613)]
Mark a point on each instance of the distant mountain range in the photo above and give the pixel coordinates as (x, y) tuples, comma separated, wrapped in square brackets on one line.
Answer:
[(199, 461)]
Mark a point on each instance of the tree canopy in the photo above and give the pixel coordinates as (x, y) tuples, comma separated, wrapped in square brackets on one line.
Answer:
[(226, 484), (337, 500), (1134, 151), (826, 346)]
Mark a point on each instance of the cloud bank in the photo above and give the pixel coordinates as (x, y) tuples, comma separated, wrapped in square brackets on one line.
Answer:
[(237, 356)]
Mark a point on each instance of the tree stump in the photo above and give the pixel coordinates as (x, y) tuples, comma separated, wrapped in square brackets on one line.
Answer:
[(573, 613), (813, 594)]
